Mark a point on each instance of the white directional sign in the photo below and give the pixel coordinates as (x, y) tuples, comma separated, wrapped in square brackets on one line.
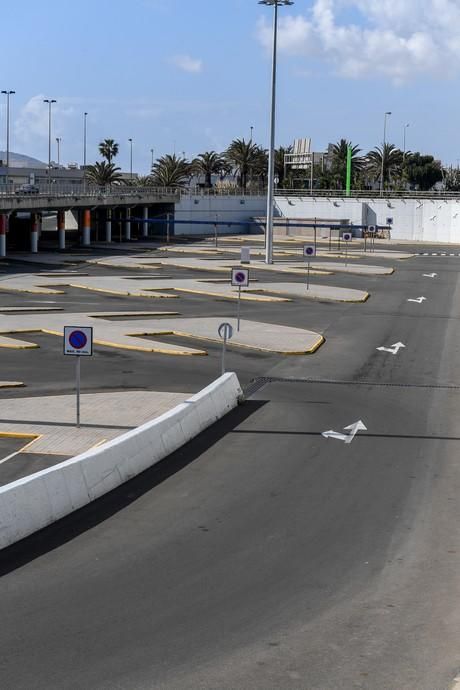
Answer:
[(347, 236), (419, 300), (309, 250), (240, 277), (78, 340), (430, 275), (346, 438), (393, 350), (245, 255)]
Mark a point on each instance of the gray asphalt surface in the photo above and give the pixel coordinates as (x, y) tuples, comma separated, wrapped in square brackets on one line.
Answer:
[(261, 555)]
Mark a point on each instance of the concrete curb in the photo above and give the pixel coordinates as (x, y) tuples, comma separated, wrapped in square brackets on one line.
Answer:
[(29, 504)]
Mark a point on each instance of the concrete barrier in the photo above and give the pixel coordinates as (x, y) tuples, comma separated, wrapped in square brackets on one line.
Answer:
[(40, 499)]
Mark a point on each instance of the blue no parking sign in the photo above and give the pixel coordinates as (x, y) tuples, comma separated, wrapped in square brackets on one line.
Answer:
[(78, 340)]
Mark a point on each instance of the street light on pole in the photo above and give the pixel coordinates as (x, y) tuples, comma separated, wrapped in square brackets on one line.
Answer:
[(252, 129), (387, 114), (131, 159), (50, 102), (8, 94), (58, 142), (85, 115), (271, 153), (404, 139), (153, 160)]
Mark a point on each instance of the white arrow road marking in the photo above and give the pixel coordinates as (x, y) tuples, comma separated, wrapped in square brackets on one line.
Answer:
[(430, 275), (394, 349), (419, 300), (346, 438)]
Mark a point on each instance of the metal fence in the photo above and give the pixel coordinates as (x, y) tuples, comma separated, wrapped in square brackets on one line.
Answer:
[(77, 192)]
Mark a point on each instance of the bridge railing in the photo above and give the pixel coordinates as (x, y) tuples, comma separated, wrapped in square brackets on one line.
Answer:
[(76, 191)]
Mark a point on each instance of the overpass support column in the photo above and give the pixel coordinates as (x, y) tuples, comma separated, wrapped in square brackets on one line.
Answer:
[(86, 227), (145, 226), (128, 224), (108, 225), (61, 228), (35, 222), (3, 229)]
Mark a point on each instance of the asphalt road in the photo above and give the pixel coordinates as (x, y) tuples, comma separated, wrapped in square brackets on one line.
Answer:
[(262, 555)]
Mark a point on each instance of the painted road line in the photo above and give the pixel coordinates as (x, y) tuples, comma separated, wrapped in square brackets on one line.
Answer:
[(393, 350), (430, 275), (419, 300), (346, 438)]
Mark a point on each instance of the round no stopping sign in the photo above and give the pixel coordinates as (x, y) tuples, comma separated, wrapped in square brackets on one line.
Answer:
[(78, 340)]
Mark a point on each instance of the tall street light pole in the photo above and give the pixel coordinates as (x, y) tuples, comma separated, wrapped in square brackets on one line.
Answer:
[(153, 161), (252, 129), (387, 114), (50, 102), (404, 139), (271, 153), (131, 159), (58, 142), (85, 117), (8, 94)]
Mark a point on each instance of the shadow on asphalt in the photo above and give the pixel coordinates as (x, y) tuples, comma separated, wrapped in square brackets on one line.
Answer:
[(89, 516)]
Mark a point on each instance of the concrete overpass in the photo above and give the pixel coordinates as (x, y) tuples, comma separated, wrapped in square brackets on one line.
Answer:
[(85, 205)]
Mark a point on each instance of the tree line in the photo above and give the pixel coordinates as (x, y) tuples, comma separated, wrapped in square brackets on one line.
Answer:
[(245, 164)]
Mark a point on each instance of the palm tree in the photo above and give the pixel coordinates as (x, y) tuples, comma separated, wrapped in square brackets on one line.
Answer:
[(103, 173), (208, 164), (171, 171), (242, 156), (339, 162), (279, 163), (138, 181), (259, 166), (108, 149), (393, 160)]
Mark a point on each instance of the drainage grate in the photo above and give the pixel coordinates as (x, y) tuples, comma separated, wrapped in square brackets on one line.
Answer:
[(257, 384)]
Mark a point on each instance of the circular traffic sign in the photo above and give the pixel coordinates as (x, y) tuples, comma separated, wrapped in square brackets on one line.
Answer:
[(309, 251), (78, 340), (225, 330), (240, 277)]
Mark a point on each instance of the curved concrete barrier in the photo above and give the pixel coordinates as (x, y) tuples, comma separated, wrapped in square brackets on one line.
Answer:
[(40, 499)]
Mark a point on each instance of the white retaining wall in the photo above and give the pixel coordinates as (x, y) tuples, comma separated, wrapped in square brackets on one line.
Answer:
[(428, 220), (38, 500), (197, 207)]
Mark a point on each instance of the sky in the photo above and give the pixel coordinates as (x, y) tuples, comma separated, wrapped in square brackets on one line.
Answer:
[(188, 77)]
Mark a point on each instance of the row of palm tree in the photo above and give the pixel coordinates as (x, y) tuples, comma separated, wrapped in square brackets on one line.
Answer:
[(247, 163)]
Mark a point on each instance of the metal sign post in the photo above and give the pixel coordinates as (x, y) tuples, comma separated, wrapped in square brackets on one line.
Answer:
[(240, 278), (346, 238), (225, 331), (309, 250), (78, 342)]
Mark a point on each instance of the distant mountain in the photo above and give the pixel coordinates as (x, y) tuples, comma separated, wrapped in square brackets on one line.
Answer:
[(18, 160)]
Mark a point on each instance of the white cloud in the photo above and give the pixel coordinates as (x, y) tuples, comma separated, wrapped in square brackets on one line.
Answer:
[(187, 63), (31, 123), (386, 38)]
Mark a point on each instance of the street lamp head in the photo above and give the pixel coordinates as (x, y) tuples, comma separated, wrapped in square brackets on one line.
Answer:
[(276, 2), (49, 100), (8, 93), (388, 113)]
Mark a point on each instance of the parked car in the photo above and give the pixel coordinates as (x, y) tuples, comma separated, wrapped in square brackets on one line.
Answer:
[(27, 189)]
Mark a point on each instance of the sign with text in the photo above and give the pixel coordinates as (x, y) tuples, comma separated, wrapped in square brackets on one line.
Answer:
[(240, 277), (78, 340)]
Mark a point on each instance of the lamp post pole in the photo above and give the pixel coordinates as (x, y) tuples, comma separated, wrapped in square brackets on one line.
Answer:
[(131, 159), (50, 102), (8, 94), (383, 150), (404, 139), (85, 116), (271, 153), (58, 142), (151, 165), (252, 129)]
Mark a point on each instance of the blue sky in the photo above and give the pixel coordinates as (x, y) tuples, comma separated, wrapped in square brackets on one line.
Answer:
[(195, 75)]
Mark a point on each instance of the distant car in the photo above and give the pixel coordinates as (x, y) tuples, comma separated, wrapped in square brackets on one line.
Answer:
[(27, 189)]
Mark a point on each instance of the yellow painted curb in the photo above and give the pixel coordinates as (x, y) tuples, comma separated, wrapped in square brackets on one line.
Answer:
[(231, 343), (138, 348), (12, 384), (234, 296), (19, 434)]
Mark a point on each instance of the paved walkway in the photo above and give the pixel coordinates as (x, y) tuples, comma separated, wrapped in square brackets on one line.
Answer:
[(104, 416), (254, 335)]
